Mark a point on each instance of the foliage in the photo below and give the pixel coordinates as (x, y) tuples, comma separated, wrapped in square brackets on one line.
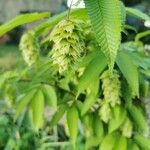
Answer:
[(91, 81), (106, 21), (10, 58)]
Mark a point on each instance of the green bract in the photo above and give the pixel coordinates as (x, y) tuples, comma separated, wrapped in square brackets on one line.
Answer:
[(68, 44), (29, 48), (81, 86)]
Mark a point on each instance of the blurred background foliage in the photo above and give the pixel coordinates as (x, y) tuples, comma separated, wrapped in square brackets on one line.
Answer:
[(20, 136)]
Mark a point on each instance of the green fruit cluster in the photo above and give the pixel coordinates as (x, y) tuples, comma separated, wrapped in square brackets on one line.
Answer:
[(29, 48), (111, 91), (68, 44)]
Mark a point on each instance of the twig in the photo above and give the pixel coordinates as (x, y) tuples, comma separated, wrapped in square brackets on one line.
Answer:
[(69, 10), (54, 85)]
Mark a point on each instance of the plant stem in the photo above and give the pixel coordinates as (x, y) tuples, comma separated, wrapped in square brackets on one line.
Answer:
[(69, 10), (56, 144), (43, 82)]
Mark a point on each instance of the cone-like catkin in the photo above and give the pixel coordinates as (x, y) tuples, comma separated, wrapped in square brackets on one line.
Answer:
[(29, 48), (68, 44), (105, 112), (111, 87)]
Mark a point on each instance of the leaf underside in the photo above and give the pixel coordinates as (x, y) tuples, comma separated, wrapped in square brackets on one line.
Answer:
[(105, 16)]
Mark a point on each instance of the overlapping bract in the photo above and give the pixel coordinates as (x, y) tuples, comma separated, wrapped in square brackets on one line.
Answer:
[(111, 91), (29, 48), (111, 87), (68, 44)]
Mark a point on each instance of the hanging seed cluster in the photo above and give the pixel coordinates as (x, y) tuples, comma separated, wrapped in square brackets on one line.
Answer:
[(111, 91), (29, 48), (68, 44)]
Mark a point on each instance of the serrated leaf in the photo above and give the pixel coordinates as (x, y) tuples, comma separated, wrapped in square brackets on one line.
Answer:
[(37, 107), (121, 144), (51, 97), (142, 141), (130, 72), (105, 16), (117, 119), (20, 20), (23, 102), (108, 142), (58, 115), (139, 118), (94, 69), (123, 13), (137, 13), (72, 122), (126, 93)]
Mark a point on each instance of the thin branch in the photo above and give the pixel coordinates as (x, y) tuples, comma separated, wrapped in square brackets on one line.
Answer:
[(69, 10), (54, 85)]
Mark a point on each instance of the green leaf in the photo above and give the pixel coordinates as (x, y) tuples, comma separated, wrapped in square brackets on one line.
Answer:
[(141, 35), (105, 16), (58, 115), (94, 69), (92, 97), (121, 144), (108, 142), (143, 142), (50, 95), (88, 124), (91, 141), (79, 13), (140, 61), (37, 107), (133, 146), (20, 20), (117, 119), (72, 122), (23, 102), (130, 72), (88, 58), (98, 128), (144, 88), (89, 101), (123, 13), (137, 13), (139, 118), (146, 72), (129, 27)]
